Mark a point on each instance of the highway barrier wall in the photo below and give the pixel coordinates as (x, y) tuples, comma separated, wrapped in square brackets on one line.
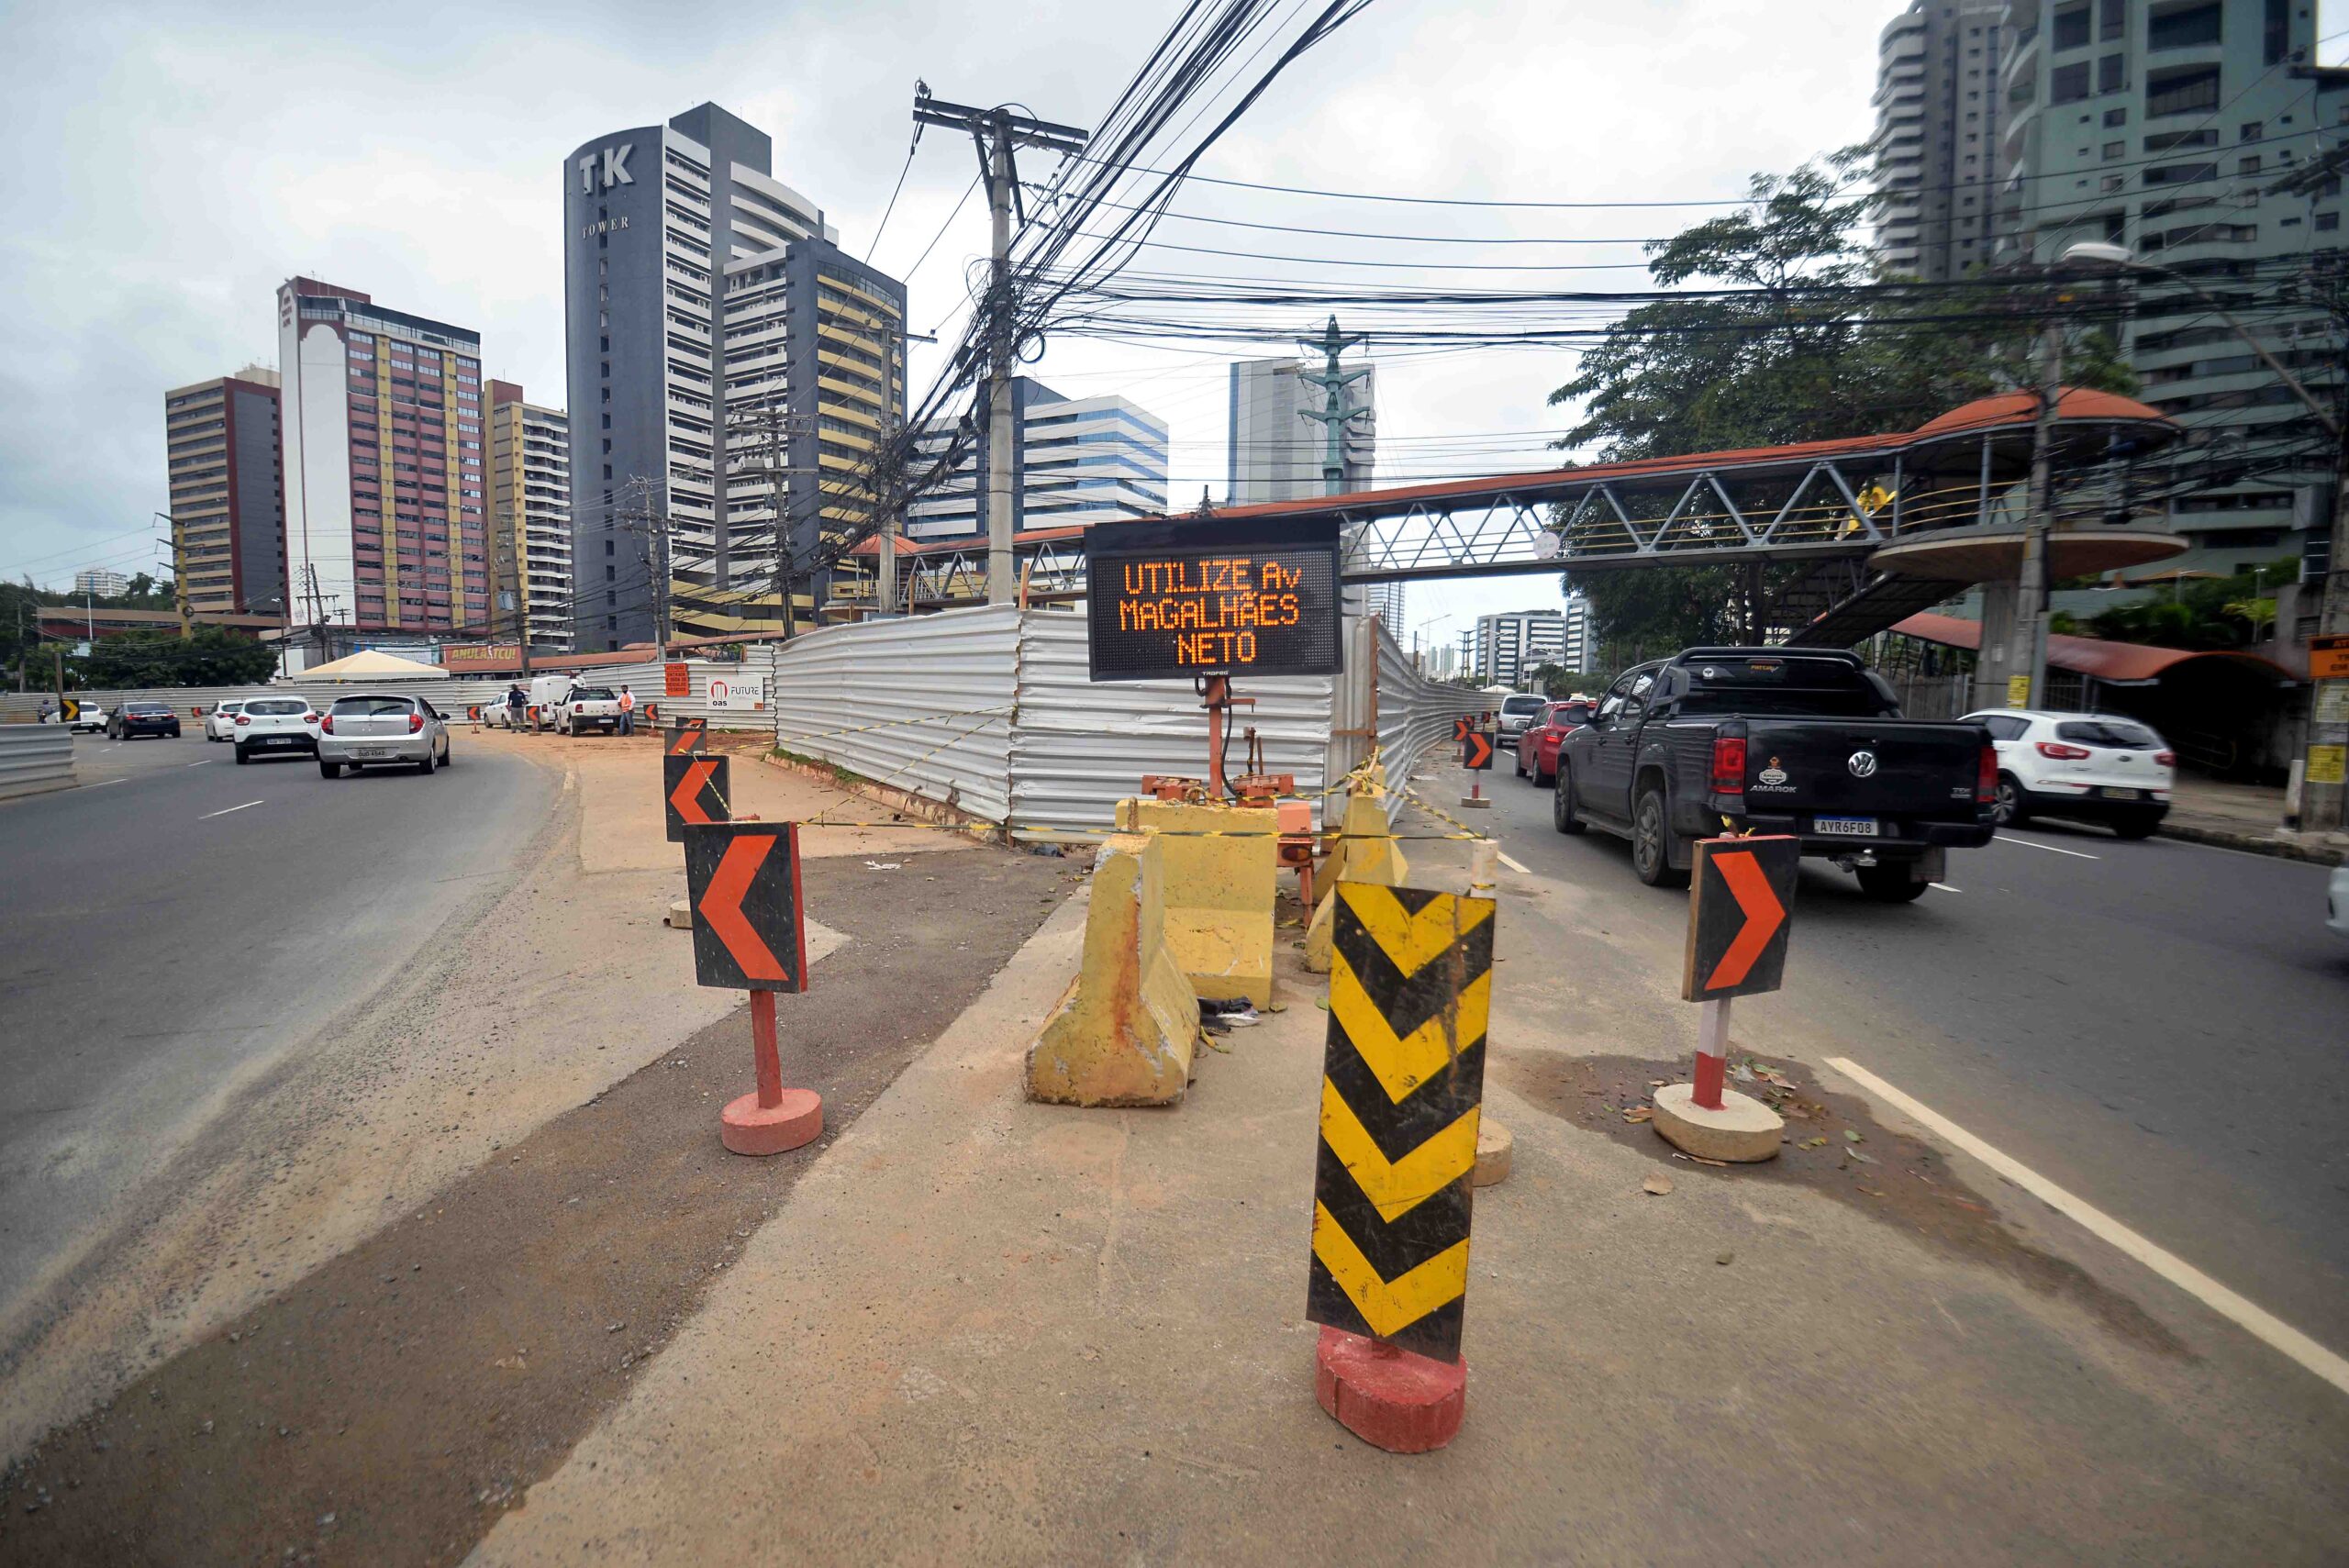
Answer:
[(33, 757), (452, 696), (988, 710)]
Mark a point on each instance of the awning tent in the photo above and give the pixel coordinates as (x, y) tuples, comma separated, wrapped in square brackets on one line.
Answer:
[(371, 665)]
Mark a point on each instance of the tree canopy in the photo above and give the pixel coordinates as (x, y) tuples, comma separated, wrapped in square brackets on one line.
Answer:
[(1791, 355), (208, 656)]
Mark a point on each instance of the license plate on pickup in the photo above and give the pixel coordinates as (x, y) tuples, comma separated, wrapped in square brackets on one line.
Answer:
[(2104, 793), (1846, 826)]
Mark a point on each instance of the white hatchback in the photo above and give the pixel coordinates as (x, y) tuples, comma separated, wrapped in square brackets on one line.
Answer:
[(220, 723), (2093, 767)]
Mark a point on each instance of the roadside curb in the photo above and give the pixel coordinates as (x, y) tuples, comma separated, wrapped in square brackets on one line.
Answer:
[(2253, 843)]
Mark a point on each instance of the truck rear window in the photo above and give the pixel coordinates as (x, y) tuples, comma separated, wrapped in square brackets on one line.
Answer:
[(591, 694), (1827, 688)]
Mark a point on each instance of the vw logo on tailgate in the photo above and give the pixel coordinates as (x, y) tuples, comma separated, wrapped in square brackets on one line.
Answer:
[(1863, 764)]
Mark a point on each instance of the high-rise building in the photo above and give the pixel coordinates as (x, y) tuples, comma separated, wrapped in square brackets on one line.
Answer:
[(1276, 454), (386, 514), (221, 455), (1075, 461), (2177, 131), (530, 586), (1384, 600), (727, 365), (1578, 645), (100, 583), (1937, 102), (1510, 645)]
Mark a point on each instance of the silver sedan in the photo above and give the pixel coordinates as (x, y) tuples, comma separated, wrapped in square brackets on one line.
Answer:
[(378, 729)]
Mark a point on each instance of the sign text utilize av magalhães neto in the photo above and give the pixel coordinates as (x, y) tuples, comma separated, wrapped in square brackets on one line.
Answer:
[(1214, 606)]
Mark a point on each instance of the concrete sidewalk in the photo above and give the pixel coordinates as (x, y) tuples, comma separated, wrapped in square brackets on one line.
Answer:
[(986, 1330), (2244, 817)]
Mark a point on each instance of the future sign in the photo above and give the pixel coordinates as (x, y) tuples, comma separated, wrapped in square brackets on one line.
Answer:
[(1167, 600)]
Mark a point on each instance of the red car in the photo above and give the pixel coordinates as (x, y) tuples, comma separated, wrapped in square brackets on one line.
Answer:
[(1537, 749)]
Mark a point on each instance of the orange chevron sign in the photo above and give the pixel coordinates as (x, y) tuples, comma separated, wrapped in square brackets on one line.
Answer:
[(686, 734), (744, 881), (1476, 751), (1741, 907), (696, 793)]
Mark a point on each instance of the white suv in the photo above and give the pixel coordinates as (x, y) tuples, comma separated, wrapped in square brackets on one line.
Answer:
[(2094, 767)]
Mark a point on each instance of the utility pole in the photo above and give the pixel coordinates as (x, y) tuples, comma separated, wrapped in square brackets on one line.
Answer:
[(2030, 593), (996, 132), (1333, 415)]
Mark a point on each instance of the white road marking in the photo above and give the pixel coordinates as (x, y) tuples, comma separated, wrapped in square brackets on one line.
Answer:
[(2253, 1319), (2028, 844), (1944, 886), (103, 782), (1512, 865), (210, 814), (198, 764)]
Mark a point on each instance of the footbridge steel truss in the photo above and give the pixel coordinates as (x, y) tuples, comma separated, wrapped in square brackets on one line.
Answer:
[(1833, 503)]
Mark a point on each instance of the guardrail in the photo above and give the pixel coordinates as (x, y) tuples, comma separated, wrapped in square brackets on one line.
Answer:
[(35, 757)]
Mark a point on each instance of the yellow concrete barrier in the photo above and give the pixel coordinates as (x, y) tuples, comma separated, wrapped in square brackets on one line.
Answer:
[(1124, 1033), (1221, 864), (1365, 854)]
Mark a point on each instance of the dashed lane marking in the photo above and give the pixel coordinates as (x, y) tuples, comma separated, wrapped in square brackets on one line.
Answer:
[(2028, 844), (225, 810), (2253, 1319), (1944, 886)]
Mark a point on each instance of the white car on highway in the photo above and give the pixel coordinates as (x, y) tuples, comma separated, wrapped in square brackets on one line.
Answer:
[(2092, 767), (373, 730), (92, 719), (283, 725), (220, 723)]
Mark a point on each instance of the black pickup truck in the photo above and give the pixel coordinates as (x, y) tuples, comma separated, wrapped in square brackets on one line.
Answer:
[(1804, 741)]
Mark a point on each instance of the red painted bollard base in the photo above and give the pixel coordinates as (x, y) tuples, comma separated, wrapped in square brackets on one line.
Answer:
[(1389, 1398), (749, 1128)]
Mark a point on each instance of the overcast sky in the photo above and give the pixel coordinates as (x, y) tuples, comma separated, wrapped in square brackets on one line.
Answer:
[(174, 164)]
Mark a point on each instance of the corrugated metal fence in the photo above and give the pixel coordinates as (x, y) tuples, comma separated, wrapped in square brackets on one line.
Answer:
[(35, 757), (990, 711)]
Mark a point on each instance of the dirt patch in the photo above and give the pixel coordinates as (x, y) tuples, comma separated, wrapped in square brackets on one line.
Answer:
[(390, 1405), (1835, 1146)]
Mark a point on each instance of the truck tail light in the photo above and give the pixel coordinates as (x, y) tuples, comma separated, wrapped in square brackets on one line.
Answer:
[(416, 726), (2166, 759), (1985, 777), (1729, 764), (327, 724), (2055, 750)]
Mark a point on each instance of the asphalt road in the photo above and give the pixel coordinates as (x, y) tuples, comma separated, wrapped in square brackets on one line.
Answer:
[(2159, 1027), (177, 922)]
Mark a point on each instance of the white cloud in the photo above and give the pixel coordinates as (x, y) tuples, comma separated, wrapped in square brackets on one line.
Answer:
[(190, 163)]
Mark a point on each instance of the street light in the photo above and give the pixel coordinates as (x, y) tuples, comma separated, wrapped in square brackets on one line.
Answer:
[(2322, 795)]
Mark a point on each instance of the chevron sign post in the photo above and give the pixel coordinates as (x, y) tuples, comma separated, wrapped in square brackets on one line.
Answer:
[(749, 933), (1741, 910), (1411, 987), (694, 792)]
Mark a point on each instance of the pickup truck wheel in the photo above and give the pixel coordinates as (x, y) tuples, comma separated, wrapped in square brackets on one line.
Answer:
[(1894, 883), (1561, 805), (1651, 839), (2007, 807)]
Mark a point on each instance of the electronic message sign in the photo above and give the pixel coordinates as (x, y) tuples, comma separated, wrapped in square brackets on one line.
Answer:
[(1213, 598)]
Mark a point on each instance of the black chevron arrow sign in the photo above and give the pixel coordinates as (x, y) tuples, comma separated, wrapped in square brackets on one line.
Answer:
[(1411, 988)]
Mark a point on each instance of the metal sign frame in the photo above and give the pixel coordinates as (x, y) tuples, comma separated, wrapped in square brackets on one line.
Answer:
[(1312, 644)]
